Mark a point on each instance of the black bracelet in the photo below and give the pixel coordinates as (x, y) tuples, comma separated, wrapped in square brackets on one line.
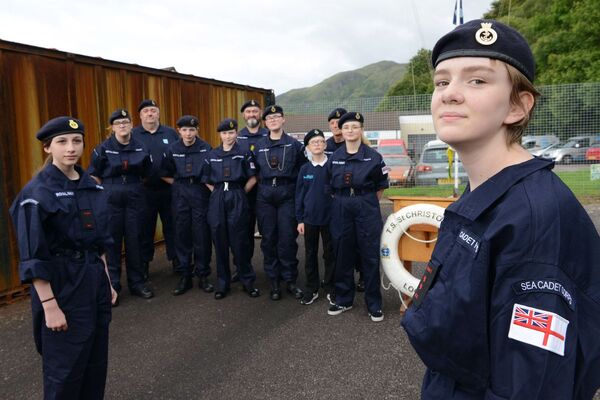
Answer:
[(51, 298)]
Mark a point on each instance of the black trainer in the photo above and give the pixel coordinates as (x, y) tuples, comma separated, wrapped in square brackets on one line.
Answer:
[(336, 309), (184, 284), (309, 298)]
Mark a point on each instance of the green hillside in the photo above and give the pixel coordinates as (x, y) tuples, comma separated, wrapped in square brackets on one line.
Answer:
[(374, 80)]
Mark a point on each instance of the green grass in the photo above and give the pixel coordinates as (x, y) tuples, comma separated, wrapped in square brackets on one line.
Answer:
[(586, 190)]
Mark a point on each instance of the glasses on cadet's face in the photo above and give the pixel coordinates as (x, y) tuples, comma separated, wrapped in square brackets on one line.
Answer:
[(351, 127), (121, 122), (272, 117), (317, 142)]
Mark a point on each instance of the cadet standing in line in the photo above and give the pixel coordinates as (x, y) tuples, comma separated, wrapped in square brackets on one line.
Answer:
[(183, 167), (157, 138), (120, 164), (61, 221), (278, 158), (249, 136), (508, 307), (358, 177), (313, 211), (333, 143), (230, 173)]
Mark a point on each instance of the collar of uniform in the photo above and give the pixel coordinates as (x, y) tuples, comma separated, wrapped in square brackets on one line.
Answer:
[(245, 133), (472, 204), (198, 145), (222, 153), (320, 164), (85, 181), (158, 130), (285, 139), (118, 145), (359, 155)]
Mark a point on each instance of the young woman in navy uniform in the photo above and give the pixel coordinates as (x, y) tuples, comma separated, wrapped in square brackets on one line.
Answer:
[(61, 222), (278, 157), (230, 175), (183, 166), (508, 307), (358, 177), (120, 164)]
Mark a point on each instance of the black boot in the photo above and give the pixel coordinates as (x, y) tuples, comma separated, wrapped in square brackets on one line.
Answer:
[(206, 285), (252, 291), (275, 291), (185, 284), (294, 290)]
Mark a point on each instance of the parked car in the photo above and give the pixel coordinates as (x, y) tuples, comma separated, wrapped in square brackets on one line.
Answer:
[(395, 147), (535, 143), (593, 153), (540, 152), (432, 168), (402, 170), (572, 151)]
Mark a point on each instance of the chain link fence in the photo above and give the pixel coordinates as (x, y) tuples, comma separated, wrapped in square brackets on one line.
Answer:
[(565, 127)]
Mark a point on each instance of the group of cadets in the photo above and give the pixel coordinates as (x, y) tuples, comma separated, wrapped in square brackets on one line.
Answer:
[(207, 196)]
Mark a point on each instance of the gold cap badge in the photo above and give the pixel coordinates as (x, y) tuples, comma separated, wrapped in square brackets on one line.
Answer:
[(231, 124), (337, 114), (273, 109), (123, 113), (253, 102), (357, 116), (73, 124), (486, 35)]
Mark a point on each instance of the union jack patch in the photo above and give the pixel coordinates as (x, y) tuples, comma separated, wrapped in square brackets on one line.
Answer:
[(540, 328)]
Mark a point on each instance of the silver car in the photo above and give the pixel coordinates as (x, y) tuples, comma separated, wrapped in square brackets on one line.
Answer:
[(572, 151), (432, 168)]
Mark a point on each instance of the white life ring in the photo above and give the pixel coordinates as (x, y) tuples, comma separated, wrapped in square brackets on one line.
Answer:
[(396, 225)]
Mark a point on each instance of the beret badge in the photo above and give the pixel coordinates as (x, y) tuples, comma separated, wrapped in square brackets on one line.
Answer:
[(73, 124), (337, 114), (486, 35), (357, 116), (231, 124), (273, 109), (123, 113)]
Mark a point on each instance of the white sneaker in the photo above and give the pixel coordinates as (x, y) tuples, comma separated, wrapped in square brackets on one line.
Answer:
[(336, 309)]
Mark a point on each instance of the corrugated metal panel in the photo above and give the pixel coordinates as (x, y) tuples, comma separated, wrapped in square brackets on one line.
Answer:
[(37, 84)]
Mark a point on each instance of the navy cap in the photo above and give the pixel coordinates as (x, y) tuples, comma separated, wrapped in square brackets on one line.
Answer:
[(228, 124), (119, 113), (336, 114), (188, 121), (250, 103), (274, 109), (311, 134), (351, 116), (59, 126), (486, 38), (147, 103)]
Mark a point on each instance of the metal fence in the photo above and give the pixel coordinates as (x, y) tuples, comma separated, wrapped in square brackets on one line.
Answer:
[(566, 116)]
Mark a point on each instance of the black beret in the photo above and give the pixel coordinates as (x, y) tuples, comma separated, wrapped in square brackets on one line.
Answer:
[(486, 38), (59, 126), (274, 109), (187, 121), (118, 114), (147, 103), (250, 103), (227, 124), (311, 134), (336, 114), (351, 116)]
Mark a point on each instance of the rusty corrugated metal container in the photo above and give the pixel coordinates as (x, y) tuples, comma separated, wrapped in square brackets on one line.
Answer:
[(37, 84)]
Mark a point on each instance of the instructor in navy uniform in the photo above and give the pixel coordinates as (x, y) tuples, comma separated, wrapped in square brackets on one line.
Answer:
[(278, 158), (157, 138), (337, 139), (61, 221), (509, 305)]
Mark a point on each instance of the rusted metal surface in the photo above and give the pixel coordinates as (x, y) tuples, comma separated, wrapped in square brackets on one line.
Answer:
[(37, 84)]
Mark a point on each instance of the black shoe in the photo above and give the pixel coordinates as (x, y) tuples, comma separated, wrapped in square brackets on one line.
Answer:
[(309, 298), (219, 295), (146, 271), (360, 286), (185, 284), (143, 292), (252, 291), (275, 291), (206, 285), (294, 290)]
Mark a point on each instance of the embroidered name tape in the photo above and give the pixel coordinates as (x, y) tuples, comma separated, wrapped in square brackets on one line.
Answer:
[(469, 241), (539, 328), (545, 286)]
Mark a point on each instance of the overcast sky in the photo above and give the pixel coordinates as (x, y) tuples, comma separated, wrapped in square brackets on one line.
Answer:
[(279, 45)]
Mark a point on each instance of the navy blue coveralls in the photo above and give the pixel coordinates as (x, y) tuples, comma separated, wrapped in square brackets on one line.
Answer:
[(313, 208), (62, 228), (185, 164), (331, 146), (278, 163), (121, 169), (158, 192), (356, 221), (249, 140), (514, 303), (229, 212)]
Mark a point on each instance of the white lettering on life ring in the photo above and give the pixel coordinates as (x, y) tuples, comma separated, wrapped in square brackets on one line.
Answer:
[(396, 225)]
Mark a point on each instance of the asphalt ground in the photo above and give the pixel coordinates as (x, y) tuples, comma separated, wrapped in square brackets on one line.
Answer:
[(195, 347)]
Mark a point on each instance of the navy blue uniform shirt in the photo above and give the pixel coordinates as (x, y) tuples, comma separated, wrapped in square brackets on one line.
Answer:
[(157, 144), (514, 304), (249, 140), (331, 146), (53, 213), (235, 165), (312, 203), (279, 158), (364, 171), (181, 161), (112, 159)]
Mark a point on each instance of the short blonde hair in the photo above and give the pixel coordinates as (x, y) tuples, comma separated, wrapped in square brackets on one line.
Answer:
[(519, 84)]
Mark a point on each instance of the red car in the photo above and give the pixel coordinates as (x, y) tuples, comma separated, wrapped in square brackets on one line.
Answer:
[(402, 170), (593, 153)]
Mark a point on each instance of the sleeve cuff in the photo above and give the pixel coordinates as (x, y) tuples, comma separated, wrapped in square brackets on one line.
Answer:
[(36, 269)]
